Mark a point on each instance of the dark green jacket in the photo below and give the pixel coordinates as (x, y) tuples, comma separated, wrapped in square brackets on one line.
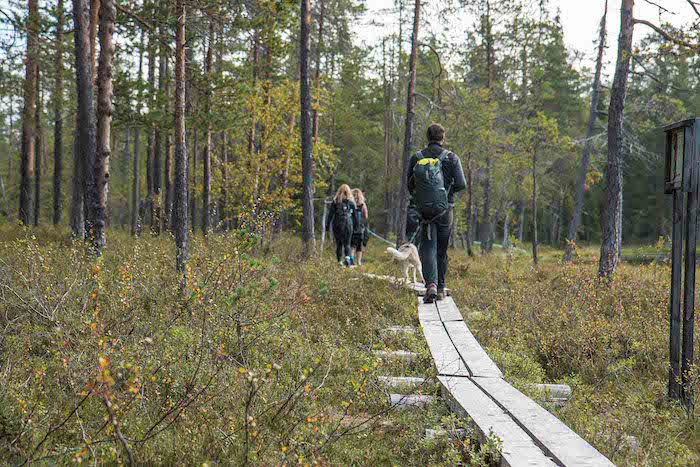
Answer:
[(451, 170)]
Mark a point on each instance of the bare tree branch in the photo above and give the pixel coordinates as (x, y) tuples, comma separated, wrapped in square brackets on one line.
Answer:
[(666, 35), (660, 7), (653, 76), (694, 6)]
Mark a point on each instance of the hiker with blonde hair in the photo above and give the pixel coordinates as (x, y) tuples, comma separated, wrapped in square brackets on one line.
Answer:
[(361, 229), (342, 216)]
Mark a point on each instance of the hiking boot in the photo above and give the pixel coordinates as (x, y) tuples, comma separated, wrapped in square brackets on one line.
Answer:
[(441, 294), (430, 294)]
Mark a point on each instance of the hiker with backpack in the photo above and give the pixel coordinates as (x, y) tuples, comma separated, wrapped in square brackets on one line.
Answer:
[(434, 176), (342, 217), (360, 233)]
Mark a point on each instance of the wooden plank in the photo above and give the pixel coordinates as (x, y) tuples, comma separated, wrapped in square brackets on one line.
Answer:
[(558, 440), (412, 401), (397, 381), (517, 447), (459, 433), (448, 310), (474, 356), (395, 356), (399, 329), (555, 392), (445, 356), (427, 311)]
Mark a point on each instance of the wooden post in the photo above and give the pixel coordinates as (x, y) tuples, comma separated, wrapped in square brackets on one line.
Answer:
[(691, 169), (323, 225), (689, 296), (676, 256)]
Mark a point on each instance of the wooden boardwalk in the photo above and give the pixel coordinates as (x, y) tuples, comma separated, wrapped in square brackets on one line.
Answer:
[(474, 387)]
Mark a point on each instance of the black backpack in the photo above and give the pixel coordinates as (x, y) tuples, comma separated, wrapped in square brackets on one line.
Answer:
[(343, 216), (358, 221), (430, 195)]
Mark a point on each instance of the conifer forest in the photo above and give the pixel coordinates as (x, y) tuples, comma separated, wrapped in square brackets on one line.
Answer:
[(169, 290)]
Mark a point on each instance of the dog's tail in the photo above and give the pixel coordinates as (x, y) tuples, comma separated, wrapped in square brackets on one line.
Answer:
[(399, 255)]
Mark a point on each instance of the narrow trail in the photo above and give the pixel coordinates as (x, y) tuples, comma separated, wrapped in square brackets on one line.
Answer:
[(474, 388)]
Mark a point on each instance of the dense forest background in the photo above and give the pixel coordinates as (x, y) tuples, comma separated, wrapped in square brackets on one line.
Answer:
[(515, 99)]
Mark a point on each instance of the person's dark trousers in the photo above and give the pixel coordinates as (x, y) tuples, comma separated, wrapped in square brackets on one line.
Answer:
[(342, 243), (412, 224), (435, 239)]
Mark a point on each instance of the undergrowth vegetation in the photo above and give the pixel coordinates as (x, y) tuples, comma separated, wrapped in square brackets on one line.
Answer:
[(268, 360), (264, 359)]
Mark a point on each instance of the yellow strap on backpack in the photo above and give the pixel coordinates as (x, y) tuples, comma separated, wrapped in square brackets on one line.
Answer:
[(427, 161)]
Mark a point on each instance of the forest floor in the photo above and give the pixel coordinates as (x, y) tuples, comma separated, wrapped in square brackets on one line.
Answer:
[(269, 359)]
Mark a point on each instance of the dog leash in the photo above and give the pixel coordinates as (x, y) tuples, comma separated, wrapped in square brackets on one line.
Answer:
[(381, 238)]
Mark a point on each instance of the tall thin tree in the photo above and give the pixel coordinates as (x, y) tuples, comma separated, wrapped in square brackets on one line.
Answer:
[(588, 145), (58, 119), (609, 250), (485, 231), (180, 182), (104, 119), (317, 74), (136, 180), (307, 230), (408, 133), (206, 162), (84, 150), (37, 150), (29, 114)]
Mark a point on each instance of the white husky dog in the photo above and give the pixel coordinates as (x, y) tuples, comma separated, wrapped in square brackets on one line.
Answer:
[(408, 256)]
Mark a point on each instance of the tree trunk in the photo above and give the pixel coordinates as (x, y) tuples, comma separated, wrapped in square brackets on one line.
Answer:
[(84, 150), (136, 187), (534, 205), (104, 119), (158, 140), (29, 126), (469, 207), (588, 145), (58, 120), (136, 182), (609, 250), (388, 139), (317, 77), (284, 176), (180, 195), (223, 201), (189, 61), (502, 207), (485, 230), (37, 151), (307, 231), (150, 150), (94, 22), (556, 221), (206, 169), (408, 134)]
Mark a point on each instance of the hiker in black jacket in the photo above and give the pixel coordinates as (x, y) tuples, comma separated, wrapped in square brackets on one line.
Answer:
[(436, 225), (342, 217)]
